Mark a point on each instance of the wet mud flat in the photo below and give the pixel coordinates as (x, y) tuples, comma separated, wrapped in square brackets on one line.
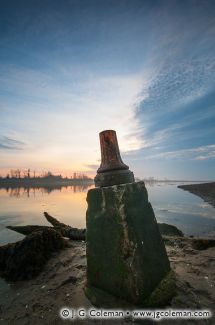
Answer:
[(62, 282)]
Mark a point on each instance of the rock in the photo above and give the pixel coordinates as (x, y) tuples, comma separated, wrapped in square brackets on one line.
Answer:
[(26, 258), (126, 256), (201, 243), (169, 230)]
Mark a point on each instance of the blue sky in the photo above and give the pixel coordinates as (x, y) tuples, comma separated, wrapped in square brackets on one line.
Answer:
[(70, 69)]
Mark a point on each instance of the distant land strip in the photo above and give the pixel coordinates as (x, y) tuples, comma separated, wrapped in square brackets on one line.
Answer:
[(42, 182), (206, 191)]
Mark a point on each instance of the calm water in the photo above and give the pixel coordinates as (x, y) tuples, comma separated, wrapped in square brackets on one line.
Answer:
[(171, 205)]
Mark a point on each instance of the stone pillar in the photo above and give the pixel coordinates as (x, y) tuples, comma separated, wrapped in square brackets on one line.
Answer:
[(126, 256)]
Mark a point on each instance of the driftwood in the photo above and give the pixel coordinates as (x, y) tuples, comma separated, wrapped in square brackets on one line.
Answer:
[(64, 230), (25, 259), (27, 230), (80, 234)]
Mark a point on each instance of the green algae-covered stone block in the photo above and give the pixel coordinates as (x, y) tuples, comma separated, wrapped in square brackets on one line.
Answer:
[(126, 256)]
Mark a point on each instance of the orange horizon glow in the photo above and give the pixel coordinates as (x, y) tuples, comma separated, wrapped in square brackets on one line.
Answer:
[(55, 171)]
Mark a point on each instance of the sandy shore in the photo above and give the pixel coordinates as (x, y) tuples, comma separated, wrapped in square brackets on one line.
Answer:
[(61, 284), (206, 191)]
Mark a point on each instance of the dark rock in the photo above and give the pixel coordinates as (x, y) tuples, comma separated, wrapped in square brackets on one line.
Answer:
[(26, 258), (169, 230), (126, 256), (201, 244)]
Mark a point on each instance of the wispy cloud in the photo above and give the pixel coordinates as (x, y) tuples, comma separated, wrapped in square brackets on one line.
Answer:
[(11, 144), (92, 167), (176, 111), (199, 153)]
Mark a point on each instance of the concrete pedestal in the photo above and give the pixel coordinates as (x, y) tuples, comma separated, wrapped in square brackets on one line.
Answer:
[(126, 256)]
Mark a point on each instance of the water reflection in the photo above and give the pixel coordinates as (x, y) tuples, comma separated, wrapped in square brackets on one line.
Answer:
[(22, 206), (33, 191), (185, 210)]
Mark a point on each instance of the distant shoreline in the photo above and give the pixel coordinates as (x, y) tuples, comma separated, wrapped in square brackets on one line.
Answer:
[(206, 191), (172, 181), (43, 182), (57, 182)]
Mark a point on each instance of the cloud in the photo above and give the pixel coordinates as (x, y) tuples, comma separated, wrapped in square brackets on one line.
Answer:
[(11, 144), (176, 111), (199, 153), (104, 100), (178, 83), (92, 167), (62, 114)]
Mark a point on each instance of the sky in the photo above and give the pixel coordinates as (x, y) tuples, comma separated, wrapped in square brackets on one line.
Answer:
[(72, 68)]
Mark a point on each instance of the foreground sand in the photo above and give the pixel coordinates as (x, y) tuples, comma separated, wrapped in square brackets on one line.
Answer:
[(61, 284)]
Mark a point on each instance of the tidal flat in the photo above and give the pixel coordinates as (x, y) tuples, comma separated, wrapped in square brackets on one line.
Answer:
[(62, 280), (61, 284)]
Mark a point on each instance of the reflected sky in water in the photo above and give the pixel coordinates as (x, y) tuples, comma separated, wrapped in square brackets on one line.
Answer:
[(26, 206), (185, 210), (171, 205)]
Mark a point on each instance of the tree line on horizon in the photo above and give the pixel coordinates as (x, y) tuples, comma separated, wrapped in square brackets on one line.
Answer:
[(28, 174)]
